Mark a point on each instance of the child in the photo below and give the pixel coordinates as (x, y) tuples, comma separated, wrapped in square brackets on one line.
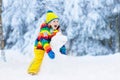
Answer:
[(42, 44)]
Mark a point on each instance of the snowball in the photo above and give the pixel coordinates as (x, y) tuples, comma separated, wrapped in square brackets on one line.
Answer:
[(58, 41)]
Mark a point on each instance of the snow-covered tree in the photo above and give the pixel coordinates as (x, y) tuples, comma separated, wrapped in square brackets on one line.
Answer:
[(19, 18), (88, 27), (87, 24)]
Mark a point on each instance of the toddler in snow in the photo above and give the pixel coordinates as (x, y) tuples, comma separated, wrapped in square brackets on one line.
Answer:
[(48, 29)]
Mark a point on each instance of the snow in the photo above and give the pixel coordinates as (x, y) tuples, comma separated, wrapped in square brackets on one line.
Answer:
[(58, 41), (79, 19), (61, 68)]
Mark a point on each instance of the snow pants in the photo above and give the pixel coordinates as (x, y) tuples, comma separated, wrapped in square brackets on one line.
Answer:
[(37, 61)]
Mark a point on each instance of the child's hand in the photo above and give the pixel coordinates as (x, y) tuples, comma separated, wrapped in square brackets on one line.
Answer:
[(51, 54)]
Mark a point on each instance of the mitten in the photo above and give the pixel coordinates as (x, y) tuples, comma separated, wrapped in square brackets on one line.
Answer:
[(51, 54), (63, 50)]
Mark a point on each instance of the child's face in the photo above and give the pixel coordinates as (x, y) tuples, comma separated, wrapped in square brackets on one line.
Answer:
[(54, 24)]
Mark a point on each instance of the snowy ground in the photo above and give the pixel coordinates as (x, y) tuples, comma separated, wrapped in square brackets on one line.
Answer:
[(62, 67)]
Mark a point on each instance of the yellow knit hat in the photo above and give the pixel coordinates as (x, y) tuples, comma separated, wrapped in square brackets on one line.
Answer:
[(50, 16)]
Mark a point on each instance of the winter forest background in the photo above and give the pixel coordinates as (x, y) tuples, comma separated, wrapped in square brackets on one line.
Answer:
[(92, 26)]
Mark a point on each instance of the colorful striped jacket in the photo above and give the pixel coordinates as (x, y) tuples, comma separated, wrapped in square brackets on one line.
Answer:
[(44, 37)]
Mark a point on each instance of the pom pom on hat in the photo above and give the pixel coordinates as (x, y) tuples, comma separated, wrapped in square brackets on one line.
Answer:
[(50, 15)]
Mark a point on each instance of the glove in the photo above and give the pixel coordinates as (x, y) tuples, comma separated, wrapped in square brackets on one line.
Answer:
[(63, 50), (51, 54)]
